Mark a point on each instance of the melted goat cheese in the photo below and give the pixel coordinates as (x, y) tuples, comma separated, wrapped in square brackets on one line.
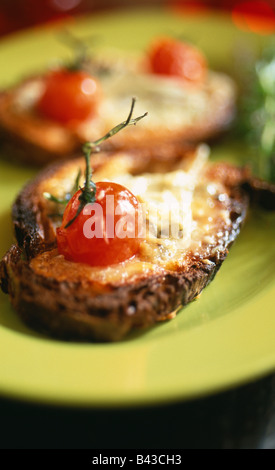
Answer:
[(170, 102), (166, 200), (204, 216)]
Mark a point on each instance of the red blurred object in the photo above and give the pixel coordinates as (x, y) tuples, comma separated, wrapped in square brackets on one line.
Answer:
[(69, 96), (170, 57), (256, 16)]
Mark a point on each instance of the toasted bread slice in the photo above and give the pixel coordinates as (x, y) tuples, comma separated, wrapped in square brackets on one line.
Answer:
[(177, 112), (77, 301)]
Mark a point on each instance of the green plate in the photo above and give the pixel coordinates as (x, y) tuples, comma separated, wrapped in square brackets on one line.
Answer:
[(225, 338)]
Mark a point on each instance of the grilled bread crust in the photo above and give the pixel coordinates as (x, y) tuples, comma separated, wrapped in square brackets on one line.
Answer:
[(71, 310), (66, 303)]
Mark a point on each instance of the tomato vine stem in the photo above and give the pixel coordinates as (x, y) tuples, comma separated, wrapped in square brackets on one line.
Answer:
[(88, 193)]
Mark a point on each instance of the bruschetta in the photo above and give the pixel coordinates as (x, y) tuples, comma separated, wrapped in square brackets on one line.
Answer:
[(58, 294)]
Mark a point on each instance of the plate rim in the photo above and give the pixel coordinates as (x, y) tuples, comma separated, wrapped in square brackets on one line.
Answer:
[(174, 396)]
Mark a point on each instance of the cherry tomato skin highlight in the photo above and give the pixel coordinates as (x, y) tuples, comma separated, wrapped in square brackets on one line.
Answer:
[(174, 58), (97, 236), (69, 96)]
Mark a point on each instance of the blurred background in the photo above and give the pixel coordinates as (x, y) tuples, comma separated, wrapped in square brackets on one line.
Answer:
[(258, 16)]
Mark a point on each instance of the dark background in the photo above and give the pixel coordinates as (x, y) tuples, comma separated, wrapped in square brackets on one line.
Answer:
[(243, 418)]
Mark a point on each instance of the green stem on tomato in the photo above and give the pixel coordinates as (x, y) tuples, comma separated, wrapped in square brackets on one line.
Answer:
[(67, 197), (88, 193), (54, 199)]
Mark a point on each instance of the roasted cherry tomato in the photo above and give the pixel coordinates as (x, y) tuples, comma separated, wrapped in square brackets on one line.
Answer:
[(105, 232), (171, 57), (69, 96)]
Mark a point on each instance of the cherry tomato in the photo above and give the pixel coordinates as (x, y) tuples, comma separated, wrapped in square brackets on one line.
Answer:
[(105, 232), (171, 57), (69, 96)]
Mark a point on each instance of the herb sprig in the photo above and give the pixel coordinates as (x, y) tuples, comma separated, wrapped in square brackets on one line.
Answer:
[(88, 193), (68, 196), (257, 113)]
